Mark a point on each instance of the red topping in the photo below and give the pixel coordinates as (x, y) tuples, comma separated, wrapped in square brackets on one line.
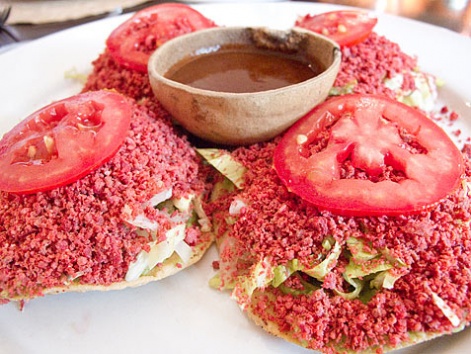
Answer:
[(454, 116), (365, 66), (108, 74)]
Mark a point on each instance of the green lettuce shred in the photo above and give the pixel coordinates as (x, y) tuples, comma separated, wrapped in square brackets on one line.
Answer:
[(223, 161), (343, 90), (322, 269), (446, 309), (369, 270)]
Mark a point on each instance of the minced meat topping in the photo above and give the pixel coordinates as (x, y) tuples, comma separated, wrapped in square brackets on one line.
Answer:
[(366, 66), (108, 74), (80, 232)]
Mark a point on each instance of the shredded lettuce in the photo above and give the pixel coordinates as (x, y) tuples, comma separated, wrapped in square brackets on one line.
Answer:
[(282, 272), (424, 95), (308, 287), (159, 252), (358, 250), (263, 274), (384, 280), (216, 283), (320, 271), (260, 276), (144, 223), (354, 270), (184, 251), (222, 161), (370, 267), (179, 212), (368, 271), (357, 285), (183, 203), (343, 90), (222, 188), (236, 206), (446, 309), (74, 74), (160, 197), (395, 82)]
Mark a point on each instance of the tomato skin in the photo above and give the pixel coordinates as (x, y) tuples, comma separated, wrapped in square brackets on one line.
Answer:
[(64, 141), (132, 43), (363, 131), (346, 27)]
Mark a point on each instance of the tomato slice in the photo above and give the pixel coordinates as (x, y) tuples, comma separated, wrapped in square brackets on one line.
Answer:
[(346, 27), (63, 141), (132, 43), (365, 155)]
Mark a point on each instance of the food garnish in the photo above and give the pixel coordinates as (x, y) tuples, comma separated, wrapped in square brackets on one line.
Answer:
[(346, 27), (63, 141), (368, 155), (132, 43)]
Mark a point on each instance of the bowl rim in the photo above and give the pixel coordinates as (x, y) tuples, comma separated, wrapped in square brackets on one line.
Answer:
[(334, 66)]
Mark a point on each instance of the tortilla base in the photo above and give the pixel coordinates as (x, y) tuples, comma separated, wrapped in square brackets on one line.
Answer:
[(272, 328), (170, 266)]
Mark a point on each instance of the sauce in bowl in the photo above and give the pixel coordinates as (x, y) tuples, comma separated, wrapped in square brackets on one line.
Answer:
[(247, 112), (242, 69)]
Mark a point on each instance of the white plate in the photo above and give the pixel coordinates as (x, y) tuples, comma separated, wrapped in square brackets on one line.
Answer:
[(226, 1), (180, 314)]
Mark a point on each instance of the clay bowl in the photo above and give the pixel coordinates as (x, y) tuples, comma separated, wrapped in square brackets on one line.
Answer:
[(242, 118)]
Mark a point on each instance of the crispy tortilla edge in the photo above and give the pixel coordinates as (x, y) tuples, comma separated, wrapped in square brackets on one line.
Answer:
[(273, 329), (169, 267)]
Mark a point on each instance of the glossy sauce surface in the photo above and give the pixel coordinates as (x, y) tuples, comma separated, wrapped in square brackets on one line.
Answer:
[(242, 69)]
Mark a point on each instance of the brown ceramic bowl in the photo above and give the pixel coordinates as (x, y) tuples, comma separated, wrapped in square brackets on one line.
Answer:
[(242, 118)]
